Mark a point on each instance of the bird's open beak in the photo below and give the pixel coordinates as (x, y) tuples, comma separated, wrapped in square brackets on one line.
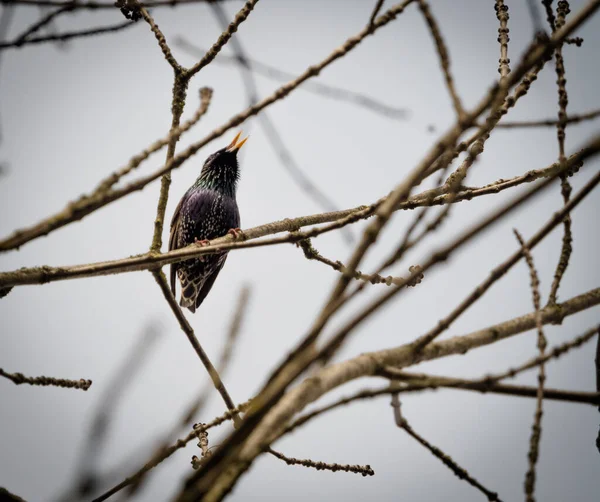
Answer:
[(234, 146)]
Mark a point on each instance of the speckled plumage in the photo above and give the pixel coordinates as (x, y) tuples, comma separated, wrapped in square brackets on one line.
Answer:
[(206, 211)]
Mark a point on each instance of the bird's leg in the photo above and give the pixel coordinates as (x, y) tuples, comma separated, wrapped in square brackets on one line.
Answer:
[(237, 233), (203, 242)]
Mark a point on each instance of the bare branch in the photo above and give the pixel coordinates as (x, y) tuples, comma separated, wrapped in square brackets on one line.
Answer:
[(365, 470), (44, 21), (161, 280), (312, 254), (571, 119), (446, 459), (160, 38), (241, 16), (566, 249)]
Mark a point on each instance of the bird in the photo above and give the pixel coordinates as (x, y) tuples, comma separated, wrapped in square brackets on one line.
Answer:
[(207, 210)]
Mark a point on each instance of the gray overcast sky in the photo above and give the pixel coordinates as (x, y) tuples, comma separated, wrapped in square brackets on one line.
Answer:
[(71, 116)]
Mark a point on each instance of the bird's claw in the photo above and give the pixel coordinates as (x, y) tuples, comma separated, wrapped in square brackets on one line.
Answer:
[(237, 233), (203, 242)]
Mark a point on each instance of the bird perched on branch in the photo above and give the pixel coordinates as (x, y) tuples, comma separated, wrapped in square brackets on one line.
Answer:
[(206, 211)]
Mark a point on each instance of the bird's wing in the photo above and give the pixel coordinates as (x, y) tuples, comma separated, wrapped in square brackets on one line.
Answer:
[(174, 238)]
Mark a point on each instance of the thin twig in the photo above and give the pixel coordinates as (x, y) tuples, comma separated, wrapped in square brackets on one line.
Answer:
[(19, 378), (365, 470), (571, 119), (502, 15), (375, 13), (240, 17), (446, 459), (161, 280), (109, 181), (312, 254), (485, 385), (43, 21), (566, 248), (436, 383), (93, 5), (160, 38), (61, 37), (536, 428)]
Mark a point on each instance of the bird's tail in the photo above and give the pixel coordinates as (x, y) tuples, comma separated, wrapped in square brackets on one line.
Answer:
[(188, 304)]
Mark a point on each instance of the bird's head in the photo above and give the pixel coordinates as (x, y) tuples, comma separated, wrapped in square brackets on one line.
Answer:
[(221, 170)]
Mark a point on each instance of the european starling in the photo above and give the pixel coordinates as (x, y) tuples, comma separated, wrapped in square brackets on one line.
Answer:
[(206, 211)]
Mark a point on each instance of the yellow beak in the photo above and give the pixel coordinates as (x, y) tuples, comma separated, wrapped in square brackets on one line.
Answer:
[(234, 146)]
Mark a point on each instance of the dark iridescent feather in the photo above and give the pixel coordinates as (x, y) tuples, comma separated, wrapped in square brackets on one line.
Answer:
[(206, 211)]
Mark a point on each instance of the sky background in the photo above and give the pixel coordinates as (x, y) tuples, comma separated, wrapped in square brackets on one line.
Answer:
[(72, 114)]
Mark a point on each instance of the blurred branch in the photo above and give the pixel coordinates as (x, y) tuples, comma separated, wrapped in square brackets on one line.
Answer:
[(43, 21), (444, 57), (86, 477), (421, 382), (416, 382), (19, 378), (205, 100), (196, 405), (228, 31), (571, 119), (93, 5), (315, 87), (61, 37), (165, 453), (446, 459), (6, 19)]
